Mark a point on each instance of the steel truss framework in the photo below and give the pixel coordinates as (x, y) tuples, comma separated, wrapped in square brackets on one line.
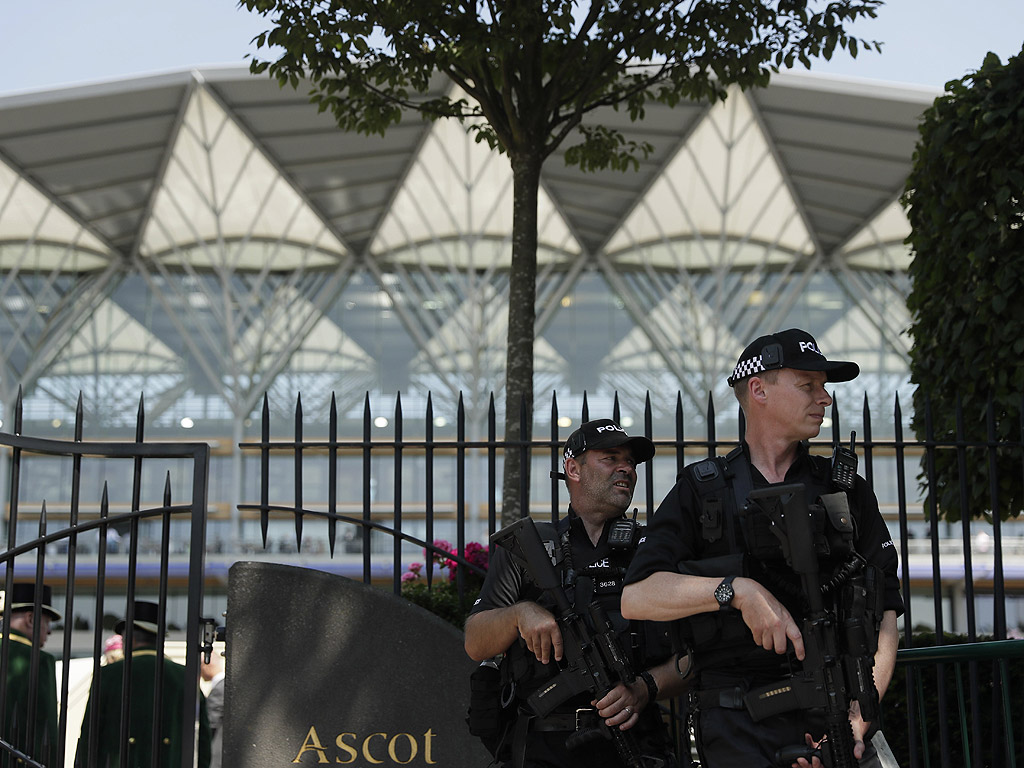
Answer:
[(206, 237)]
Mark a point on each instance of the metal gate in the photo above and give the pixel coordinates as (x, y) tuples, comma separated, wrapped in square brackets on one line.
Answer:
[(103, 537)]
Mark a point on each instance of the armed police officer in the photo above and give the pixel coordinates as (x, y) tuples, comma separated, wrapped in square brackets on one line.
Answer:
[(591, 549), (714, 560)]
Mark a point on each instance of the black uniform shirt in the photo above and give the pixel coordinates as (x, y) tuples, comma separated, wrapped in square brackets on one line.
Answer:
[(507, 583)]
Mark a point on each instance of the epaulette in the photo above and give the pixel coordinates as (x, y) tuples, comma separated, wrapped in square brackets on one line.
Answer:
[(710, 477), (713, 476)]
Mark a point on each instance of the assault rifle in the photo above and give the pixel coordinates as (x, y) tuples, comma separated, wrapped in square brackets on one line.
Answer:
[(593, 661), (839, 646)]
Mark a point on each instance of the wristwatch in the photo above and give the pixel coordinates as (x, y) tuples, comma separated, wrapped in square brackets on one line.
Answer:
[(724, 593)]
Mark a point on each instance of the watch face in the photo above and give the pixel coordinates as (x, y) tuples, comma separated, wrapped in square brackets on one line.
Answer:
[(724, 594)]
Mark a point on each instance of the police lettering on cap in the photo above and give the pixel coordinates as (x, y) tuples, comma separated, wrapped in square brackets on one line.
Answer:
[(605, 433), (794, 349)]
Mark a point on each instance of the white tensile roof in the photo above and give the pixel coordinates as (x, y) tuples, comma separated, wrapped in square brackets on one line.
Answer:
[(219, 188)]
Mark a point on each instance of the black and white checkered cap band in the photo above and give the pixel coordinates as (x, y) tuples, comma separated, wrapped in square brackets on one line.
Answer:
[(746, 368)]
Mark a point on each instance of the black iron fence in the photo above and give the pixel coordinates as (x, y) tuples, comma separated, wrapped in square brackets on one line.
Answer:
[(29, 738), (373, 504), (968, 556)]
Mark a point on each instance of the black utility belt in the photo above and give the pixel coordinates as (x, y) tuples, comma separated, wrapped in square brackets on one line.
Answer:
[(563, 721), (730, 697)]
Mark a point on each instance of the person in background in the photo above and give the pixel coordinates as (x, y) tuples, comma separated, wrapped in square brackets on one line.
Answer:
[(35, 735), (213, 673), (113, 649), (103, 747)]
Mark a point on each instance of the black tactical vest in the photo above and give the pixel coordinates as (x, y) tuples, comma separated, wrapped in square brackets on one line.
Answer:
[(737, 539)]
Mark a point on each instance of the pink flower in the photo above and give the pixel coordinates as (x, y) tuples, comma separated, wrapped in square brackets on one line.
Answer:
[(477, 554), (443, 546), (409, 576)]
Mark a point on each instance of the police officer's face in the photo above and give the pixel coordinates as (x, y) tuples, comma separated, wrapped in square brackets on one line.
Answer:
[(796, 403), (607, 478)]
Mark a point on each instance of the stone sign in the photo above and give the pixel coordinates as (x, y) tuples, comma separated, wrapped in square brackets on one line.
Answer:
[(324, 670)]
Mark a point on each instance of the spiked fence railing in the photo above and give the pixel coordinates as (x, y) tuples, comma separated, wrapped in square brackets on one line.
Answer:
[(73, 571)]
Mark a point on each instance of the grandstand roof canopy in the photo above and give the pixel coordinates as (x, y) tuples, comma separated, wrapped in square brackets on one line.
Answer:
[(101, 154), (206, 235)]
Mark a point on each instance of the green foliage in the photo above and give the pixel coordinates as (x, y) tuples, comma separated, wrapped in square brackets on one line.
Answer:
[(442, 599), (532, 71), (965, 202), (926, 692), (528, 75)]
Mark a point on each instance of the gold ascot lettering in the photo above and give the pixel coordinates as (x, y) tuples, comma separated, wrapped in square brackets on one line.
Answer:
[(312, 744), (376, 748), (366, 748), (412, 748)]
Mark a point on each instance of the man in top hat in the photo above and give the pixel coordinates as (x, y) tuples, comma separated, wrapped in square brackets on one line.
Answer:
[(515, 618), (100, 742), (30, 619), (707, 563)]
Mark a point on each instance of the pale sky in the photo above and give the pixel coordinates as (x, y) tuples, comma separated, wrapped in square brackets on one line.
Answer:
[(55, 43)]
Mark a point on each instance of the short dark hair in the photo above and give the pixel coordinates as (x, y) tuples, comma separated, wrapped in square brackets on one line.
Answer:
[(771, 377)]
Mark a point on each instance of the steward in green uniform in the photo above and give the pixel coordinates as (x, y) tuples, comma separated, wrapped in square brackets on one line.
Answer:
[(37, 736), (105, 702)]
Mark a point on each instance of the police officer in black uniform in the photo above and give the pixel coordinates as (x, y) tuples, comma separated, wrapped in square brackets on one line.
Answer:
[(742, 612), (515, 619)]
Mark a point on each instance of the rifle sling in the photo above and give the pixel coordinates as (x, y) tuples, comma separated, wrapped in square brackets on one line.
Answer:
[(742, 484)]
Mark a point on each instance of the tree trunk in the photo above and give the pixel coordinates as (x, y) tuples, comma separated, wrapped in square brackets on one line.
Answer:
[(522, 311)]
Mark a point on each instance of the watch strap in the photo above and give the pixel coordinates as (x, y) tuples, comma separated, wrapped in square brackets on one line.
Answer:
[(652, 685)]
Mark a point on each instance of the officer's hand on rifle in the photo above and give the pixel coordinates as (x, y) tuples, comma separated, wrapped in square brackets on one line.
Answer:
[(860, 729), (539, 629), (622, 705), (768, 620), (814, 762)]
